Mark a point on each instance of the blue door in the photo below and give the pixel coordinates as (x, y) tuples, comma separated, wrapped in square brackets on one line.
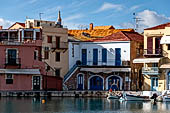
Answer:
[(96, 83), (95, 56), (154, 83), (114, 83), (104, 55), (84, 56), (80, 82), (117, 56)]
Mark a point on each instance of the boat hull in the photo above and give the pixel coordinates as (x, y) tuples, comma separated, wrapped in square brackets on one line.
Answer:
[(166, 99), (136, 98), (112, 97)]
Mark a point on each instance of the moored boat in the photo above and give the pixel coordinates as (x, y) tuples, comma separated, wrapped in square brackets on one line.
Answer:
[(110, 96), (131, 97)]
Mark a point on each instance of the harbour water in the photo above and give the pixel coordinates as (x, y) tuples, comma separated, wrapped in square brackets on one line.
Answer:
[(78, 105)]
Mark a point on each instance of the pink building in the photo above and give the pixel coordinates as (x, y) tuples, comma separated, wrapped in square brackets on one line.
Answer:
[(21, 65)]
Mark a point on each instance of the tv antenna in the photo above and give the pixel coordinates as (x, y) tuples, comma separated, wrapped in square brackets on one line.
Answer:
[(137, 20), (40, 15)]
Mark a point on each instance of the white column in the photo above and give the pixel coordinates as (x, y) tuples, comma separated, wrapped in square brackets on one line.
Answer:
[(19, 35), (8, 35), (34, 34), (22, 38)]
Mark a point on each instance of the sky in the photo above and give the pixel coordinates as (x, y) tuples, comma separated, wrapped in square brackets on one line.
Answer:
[(78, 14)]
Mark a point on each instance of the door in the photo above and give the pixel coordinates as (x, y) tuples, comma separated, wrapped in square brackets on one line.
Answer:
[(96, 83), (117, 56), (157, 46), (84, 56), (114, 83), (154, 83), (80, 82), (12, 55), (104, 55), (168, 81), (150, 45), (36, 82), (95, 56)]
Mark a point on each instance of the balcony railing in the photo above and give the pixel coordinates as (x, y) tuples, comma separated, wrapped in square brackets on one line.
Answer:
[(156, 52), (62, 45), (12, 61), (110, 62), (150, 70)]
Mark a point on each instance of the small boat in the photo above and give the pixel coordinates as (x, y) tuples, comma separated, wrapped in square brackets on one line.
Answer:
[(131, 97), (165, 96), (110, 96)]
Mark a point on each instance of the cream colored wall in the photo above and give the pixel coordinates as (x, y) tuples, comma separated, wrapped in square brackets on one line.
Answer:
[(62, 33), (147, 83), (152, 33)]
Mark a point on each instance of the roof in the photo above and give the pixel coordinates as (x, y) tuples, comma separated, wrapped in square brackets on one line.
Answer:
[(21, 24), (162, 26), (87, 35), (121, 36), (104, 27)]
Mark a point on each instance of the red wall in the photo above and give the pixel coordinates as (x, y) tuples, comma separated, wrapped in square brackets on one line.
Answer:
[(20, 82), (53, 83)]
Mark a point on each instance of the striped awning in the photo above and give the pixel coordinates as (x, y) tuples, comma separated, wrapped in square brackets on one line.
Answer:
[(165, 40), (146, 60)]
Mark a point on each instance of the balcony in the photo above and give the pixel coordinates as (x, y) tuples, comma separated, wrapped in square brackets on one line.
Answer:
[(12, 62), (62, 45), (110, 62), (155, 52), (150, 70)]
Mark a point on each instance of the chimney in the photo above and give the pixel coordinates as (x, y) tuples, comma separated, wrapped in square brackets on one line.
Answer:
[(1, 27), (91, 26)]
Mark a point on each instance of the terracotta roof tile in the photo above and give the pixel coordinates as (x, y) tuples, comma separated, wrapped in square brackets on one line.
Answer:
[(22, 24), (121, 36), (104, 27), (95, 33), (162, 26)]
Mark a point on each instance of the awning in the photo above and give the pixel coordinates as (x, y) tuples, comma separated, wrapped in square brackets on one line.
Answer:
[(165, 66), (106, 70), (20, 71), (146, 60), (165, 40)]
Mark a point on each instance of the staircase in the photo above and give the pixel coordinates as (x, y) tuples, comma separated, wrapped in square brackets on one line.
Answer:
[(68, 75)]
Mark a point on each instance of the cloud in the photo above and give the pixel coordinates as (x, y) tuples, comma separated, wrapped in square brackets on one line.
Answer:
[(5, 23), (32, 1), (135, 7), (108, 6), (152, 18), (73, 17), (147, 18)]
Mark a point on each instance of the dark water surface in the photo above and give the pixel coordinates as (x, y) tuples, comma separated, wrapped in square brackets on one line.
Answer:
[(78, 105)]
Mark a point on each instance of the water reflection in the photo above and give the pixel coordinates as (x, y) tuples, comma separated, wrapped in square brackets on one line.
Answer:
[(78, 105)]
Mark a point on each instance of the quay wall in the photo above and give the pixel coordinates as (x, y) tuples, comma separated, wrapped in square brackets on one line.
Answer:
[(102, 94)]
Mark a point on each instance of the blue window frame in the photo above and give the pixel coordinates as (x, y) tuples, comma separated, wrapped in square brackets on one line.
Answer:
[(95, 56)]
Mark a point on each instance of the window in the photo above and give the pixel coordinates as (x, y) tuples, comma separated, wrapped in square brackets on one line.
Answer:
[(154, 64), (35, 55), (9, 79), (46, 54), (38, 24), (57, 56), (11, 56), (49, 39), (57, 42), (168, 46), (57, 72)]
